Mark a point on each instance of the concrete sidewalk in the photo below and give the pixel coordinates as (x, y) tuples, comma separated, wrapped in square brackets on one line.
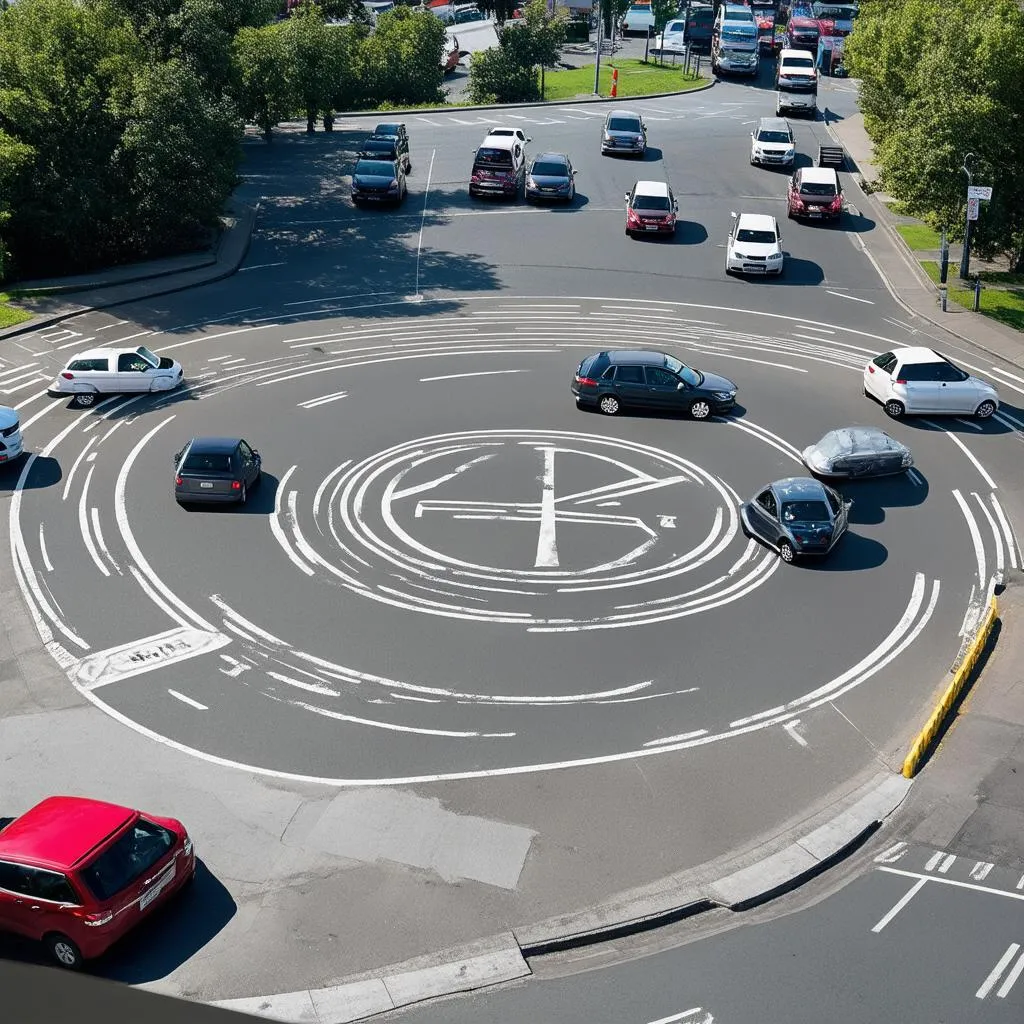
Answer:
[(69, 296), (905, 279)]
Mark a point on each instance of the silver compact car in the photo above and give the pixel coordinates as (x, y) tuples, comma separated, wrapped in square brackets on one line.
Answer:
[(857, 452), (797, 516), (624, 131)]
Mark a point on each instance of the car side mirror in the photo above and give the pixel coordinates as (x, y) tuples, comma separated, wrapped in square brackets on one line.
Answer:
[(680, 386), (529, 139), (626, 197), (177, 457)]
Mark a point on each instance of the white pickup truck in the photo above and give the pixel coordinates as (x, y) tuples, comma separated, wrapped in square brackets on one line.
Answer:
[(639, 18)]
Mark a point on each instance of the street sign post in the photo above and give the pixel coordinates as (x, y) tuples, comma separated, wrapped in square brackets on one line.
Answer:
[(979, 192), (973, 208)]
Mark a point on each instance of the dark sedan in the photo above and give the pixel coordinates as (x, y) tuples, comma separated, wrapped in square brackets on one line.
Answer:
[(551, 176), (624, 132), (656, 380), (385, 147), (796, 516), (857, 452), (378, 181), (216, 469)]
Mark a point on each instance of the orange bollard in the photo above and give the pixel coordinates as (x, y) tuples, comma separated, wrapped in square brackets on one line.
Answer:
[(615, 83)]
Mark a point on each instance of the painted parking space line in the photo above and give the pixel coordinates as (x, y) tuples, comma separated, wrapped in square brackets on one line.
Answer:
[(900, 904), (997, 973)]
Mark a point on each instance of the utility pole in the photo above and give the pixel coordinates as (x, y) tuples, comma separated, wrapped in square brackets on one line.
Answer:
[(965, 259), (597, 65)]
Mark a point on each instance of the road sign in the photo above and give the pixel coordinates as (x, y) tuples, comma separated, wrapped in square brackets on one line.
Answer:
[(973, 208), (979, 192)]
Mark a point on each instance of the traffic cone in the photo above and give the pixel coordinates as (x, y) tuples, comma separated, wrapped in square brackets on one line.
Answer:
[(615, 82)]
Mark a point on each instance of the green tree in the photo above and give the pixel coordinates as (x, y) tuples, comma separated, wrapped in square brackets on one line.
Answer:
[(178, 153), (496, 77), (15, 159), (400, 63), (263, 89), (313, 62), (938, 82), (611, 14)]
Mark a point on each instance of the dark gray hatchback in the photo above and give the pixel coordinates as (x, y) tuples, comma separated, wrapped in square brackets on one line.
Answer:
[(216, 469), (656, 380)]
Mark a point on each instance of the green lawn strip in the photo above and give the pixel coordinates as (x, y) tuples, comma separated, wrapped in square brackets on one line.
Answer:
[(919, 236), (635, 79), (11, 315), (1003, 304)]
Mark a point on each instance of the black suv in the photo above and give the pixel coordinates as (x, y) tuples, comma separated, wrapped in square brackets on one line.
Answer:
[(393, 130), (385, 147), (378, 181), (612, 380)]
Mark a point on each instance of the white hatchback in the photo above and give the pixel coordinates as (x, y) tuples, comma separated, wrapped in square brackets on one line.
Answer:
[(112, 371), (754, 245), (10, 435), (919, 380)]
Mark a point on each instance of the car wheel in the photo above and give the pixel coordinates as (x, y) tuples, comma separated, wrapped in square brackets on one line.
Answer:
[(64, 951), (244, 495), (894, 409), (786, 552), (609, 405), (700, 409), (985, 410), (84, 399)]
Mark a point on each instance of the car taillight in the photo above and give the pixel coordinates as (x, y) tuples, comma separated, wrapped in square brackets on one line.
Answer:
[(837, 202), (798, 537), (588, 382), (178, 481), (900, 380), (97, 920), (871, 369), (68, 376), (236, 485)]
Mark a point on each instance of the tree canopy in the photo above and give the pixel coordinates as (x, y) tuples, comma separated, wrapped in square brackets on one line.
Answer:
[(938, 82)]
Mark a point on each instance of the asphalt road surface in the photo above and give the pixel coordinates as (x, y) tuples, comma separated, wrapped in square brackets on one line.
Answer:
[(923, 936), (454, 580)]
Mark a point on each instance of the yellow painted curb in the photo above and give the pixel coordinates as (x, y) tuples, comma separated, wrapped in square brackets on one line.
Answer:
[(927, 735)]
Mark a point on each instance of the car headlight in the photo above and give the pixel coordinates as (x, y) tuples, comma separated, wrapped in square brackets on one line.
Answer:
[(775, 255), (724, 396), (908, 459), (737, 255), (530, 183), (790, 153), (393, 187)]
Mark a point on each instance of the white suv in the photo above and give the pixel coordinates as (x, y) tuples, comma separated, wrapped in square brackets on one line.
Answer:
[(754, 245), (10, 435), (112, 371), (919, 380), (772, 143)]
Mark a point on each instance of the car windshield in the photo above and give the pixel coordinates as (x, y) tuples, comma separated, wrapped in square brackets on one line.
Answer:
[(735, 34), (207, 462), (687, 373), (376, 168), (805, 512), (552, 170), (494, 156), (379, 146), (764, 136), (798, 62), (386, 129), (624, 124), (818, 188), (128, 859), (837, 13), (650, 203), (148, 356), (750, 235)]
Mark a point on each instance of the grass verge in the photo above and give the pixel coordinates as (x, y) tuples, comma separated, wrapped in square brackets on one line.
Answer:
[(635, 79), (919, 236), (1003, 304), (11, 315)]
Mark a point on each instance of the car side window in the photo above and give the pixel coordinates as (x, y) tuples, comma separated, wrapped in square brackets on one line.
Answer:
[(245, 450), (660, 378), (519, 153), (85, 365), (629, 375), (913, 372), (949, 373), (36, 883), (608, 374), (131, 362), (834, 501), (767, 501), (11, 878)]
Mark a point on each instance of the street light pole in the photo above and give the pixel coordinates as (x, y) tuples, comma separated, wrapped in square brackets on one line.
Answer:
[(597, 65), (965, 259)]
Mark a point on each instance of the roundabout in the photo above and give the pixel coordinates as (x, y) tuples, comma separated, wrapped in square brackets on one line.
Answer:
[(444, 591)]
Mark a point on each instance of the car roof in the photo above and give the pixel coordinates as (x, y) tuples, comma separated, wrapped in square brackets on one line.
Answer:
[(382, 126), (854, 438), (820, 175), (773, 124), (213, 445), (636, 356), (499, 142), (798, 488), (789, 51), (757, 221), (104, 353), (61, 830), (622, 113), (8, 416), (917, 354), (551, 156), (651, 188)]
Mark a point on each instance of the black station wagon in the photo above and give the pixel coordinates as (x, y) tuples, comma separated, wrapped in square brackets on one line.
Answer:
[(614, 380)]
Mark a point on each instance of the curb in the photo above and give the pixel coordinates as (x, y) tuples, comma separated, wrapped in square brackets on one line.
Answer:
[(921, 746), (245, 220), (503, 957), (450, 108)]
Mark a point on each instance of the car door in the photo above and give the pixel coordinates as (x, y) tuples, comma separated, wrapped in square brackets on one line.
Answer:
[(250, 463), (662, 387), (763, 515), (630, 385), (954, 391), (35, 901), (132, 372), (840, 510), (920, 389)]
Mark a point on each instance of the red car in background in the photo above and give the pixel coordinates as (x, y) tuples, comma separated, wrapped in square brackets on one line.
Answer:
[(802, 29), (835, 19), (78, 874)]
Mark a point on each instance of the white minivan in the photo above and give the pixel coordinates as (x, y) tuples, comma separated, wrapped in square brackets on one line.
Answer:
[(113, 371), (10, 435)]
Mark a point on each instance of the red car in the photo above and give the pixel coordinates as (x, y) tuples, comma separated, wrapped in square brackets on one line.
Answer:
[(78, 874), (815, 192), (650, 209)]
